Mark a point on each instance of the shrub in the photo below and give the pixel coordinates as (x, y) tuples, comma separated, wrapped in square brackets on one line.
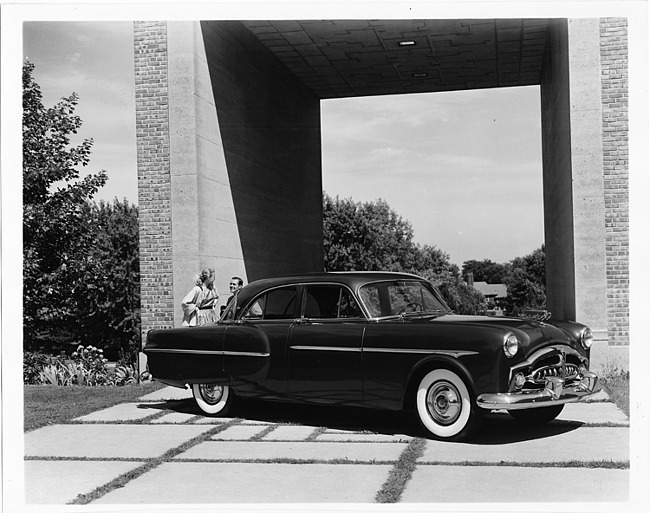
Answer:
[(86, 367), (33, 364)]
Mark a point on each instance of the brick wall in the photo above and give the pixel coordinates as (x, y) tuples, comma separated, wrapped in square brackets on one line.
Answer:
[(154, 188), (614, 62)]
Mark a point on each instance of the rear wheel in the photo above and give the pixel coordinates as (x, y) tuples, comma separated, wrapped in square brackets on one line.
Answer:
[(537, 415), (212, 399), (445, 408)]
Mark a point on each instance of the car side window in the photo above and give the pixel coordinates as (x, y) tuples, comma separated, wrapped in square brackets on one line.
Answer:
[(330, 302), (275, 304), (371, 298)]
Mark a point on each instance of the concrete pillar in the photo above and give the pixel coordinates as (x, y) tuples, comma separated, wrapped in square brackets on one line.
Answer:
[(229, 163), (204, 224), (574, 210), (270, 128), (587, 172)]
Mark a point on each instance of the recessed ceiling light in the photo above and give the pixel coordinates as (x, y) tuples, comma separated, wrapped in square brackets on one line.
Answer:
[(406, 43)]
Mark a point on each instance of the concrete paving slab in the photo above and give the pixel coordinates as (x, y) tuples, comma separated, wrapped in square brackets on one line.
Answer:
[(442, 483), (321, 451), (168, 394), (587, 413), (227, 483), (584, 444), (173, 418), (594, 413), (362, 437), (599, 396), (104, 441), (213, 420), (59, 482), (290, 433), (239, 432), (247, 422), (119, 412)]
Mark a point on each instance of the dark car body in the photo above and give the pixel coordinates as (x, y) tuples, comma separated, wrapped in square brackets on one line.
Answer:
[(382, 340)]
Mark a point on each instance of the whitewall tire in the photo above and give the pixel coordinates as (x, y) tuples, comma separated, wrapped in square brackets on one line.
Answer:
[(212, 399), (444, 406)]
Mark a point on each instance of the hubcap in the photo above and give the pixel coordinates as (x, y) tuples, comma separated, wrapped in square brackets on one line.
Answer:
[(443, 403), (211, 393)]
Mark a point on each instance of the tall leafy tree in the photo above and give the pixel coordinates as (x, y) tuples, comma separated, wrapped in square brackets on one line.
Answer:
[(371, 236), (484, 270), (55, 226), (109, 315), (526, 281), (365, 236)]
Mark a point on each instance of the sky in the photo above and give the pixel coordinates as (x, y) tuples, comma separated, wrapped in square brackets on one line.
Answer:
[(464, 168)]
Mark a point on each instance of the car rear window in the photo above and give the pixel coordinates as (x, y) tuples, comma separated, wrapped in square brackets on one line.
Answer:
[(275, 304), (330, 302)]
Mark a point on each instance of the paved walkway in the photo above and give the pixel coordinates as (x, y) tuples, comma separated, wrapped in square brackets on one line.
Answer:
[(160, 450)]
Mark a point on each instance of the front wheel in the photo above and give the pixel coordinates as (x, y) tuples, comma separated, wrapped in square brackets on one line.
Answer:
[(212, 399), (537, 415), (444, 406)]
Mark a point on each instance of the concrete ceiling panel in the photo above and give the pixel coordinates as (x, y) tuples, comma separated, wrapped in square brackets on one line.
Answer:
[(365, 57)]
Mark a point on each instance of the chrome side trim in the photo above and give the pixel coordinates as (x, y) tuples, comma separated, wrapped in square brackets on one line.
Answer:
[(327, 348), (180, 351), (206, 352), (454, 354), (243, 353)]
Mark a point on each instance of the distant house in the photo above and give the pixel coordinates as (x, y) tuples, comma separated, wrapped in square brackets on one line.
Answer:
[(495, 294)]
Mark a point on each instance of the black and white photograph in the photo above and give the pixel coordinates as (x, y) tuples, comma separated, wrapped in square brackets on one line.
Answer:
[(325, 256)]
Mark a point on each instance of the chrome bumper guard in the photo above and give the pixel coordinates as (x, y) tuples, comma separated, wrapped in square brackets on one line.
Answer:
[(554, 392)]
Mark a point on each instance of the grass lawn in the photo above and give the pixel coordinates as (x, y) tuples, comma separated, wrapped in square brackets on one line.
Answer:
[(49, 404), (618, 388)]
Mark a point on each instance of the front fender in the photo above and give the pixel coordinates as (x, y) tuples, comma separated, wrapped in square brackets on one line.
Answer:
[(426, 365)]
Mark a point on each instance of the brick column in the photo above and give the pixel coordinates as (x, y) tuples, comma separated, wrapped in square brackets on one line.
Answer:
[(614, 81), (154, 188)]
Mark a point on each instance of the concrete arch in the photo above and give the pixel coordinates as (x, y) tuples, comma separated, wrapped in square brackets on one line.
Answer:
[(228, 118)]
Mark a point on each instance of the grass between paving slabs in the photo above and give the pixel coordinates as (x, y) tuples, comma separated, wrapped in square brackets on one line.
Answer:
[(50, 404), (122, 480), (392, 490)]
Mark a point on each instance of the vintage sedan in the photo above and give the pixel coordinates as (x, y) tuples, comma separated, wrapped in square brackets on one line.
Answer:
[(380, 340)]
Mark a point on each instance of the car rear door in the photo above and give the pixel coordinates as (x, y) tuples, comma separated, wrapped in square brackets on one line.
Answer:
[(324, 350), (255, 347)]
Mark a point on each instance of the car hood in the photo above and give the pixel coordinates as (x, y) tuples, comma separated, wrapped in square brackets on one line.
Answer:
[(531, 332)]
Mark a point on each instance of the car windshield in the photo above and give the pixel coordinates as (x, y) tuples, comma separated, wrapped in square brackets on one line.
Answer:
[(400, 297)]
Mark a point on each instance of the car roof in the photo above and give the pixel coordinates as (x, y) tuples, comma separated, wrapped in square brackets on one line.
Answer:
[(352, 279)]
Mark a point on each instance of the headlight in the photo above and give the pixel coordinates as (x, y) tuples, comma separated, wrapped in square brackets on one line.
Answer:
[(510, 345), (586, 338)]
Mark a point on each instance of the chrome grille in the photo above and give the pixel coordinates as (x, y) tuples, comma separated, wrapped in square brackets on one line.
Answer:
[(555, 370)]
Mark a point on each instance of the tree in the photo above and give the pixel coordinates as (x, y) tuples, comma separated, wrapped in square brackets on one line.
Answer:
[(55, 226), (365, 236), (110, 311), (484, 270), (526, 281), (371, 236)]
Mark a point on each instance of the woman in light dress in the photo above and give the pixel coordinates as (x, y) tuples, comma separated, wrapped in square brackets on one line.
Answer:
[(200, 303)]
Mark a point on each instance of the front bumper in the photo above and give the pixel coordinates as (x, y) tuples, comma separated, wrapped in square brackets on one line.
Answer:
[(554, 392)]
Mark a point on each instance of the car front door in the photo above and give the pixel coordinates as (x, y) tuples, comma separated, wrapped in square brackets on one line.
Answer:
[(324, 351)]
